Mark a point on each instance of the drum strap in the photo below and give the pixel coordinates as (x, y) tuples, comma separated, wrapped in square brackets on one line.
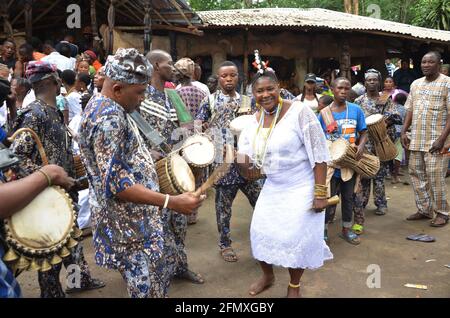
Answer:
[(327, 116), (155, 139)]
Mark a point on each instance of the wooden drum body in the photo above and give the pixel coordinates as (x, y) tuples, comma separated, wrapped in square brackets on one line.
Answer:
[(247, 169), (80, 171), (175, 176), (343, 156), (384, 146)]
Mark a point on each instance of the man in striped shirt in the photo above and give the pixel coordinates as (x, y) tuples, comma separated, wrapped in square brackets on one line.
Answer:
[(428, 107), (159, 112)]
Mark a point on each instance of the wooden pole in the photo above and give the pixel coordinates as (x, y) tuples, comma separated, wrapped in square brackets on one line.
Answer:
[(7, 28), (148, 27), (29, 19), (111, 22), (245, 62)]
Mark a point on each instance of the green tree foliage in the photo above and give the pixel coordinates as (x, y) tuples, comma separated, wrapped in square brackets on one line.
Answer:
[(426, 13), (432, 14)]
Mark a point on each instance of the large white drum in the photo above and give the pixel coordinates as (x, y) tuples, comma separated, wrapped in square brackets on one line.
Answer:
[(238, 124), (44, 225)]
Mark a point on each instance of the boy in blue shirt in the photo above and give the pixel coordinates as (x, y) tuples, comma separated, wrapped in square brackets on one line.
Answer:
[(344, 120)]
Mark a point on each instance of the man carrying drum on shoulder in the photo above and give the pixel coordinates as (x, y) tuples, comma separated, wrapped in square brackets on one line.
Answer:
[(372, 102), (160, 112), (344, 120)]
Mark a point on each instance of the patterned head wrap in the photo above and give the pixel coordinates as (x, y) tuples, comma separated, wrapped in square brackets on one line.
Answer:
[(185, 66), (128, 66), (40, 70)]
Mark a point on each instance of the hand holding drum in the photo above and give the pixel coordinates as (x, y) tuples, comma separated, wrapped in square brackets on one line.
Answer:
[(58, 176)]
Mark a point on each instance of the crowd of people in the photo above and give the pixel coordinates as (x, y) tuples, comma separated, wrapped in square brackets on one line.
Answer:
[(77, 106)]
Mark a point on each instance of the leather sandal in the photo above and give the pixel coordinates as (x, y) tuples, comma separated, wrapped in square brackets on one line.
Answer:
[(228, 254), (418, 216), (439, 221)]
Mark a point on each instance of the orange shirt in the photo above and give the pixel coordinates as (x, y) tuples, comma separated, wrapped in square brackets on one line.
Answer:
[(97, 65), (38, 55)]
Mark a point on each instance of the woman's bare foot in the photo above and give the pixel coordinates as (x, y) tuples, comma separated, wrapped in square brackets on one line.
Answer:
[(293, 292), (261, 284)]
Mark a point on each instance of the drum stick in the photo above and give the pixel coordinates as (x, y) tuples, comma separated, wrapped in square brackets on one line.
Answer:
[(219, 172)]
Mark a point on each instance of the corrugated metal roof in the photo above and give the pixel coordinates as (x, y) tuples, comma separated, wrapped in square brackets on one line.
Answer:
[(316, 18)]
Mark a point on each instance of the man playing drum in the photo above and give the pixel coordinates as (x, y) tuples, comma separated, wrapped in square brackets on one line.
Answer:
[(218, 111), (158, 110), (43, 117), (347, 122), (372, 103), (128, 225)]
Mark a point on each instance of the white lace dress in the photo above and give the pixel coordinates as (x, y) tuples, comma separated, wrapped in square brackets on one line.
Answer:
[(285, 231)]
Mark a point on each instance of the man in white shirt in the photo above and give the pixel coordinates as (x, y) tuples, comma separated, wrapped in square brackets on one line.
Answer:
[(73, 97), (60, 60)]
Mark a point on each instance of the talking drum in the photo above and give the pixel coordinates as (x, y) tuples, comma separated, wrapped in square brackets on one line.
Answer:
[(247, 169), (238, 124), (80, 172), (42, 232), (384, 147), (343, 155), (199, 151), (175, 176)]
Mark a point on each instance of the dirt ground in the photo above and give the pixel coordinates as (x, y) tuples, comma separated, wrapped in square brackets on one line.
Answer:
[(383, 243)]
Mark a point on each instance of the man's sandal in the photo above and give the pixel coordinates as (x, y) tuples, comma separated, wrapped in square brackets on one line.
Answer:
[(439, 221), (418, 216), (350, 237), (228, 254)]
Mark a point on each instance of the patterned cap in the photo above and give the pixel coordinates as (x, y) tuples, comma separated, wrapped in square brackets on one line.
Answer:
[(128, 66), (39, 70), (185, 66)]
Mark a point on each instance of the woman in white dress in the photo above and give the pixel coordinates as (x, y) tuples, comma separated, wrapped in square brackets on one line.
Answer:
[(286, 140)]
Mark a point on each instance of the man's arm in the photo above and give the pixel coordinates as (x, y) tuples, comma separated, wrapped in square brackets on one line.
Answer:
[(362, 144), (15, 195), (117, 177)]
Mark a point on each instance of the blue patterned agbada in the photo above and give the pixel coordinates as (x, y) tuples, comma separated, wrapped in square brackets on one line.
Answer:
[(114, 163)]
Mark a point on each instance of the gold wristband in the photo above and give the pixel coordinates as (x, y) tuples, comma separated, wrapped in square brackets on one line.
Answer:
[(46, 176)]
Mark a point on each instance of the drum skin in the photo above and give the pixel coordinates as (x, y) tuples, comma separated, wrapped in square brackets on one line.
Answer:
[(44, 225), (201, 153)]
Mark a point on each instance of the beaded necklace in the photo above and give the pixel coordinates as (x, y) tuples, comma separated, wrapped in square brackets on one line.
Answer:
[(260, 155)]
